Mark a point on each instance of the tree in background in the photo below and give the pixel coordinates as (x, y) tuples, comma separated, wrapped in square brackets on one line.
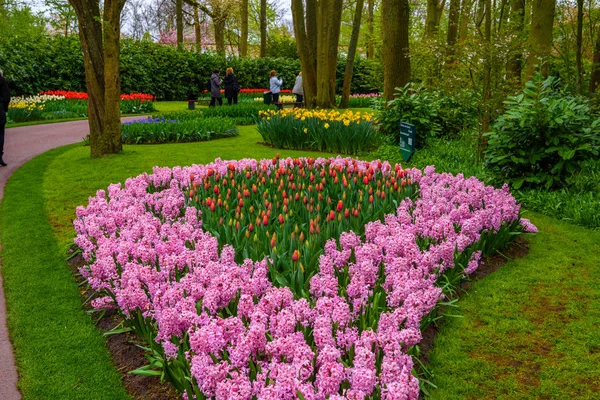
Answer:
[(395, 34), (100, 36), (540, 38), (351, 54)]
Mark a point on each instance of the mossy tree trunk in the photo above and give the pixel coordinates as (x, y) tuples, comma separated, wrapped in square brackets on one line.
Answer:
[(349, 71), (197, 30), (595, 78), (371, 26), (515, 63), (317, 35), (452, 34), (100, 40), (263, 28), (395, 33), (179, 22), (579, 50), (244, 29), (540, 38)]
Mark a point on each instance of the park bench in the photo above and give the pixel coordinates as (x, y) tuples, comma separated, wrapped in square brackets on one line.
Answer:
[(281, 106)]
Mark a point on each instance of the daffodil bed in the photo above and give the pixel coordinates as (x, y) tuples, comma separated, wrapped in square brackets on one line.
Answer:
[(324, 130), (265, 279)]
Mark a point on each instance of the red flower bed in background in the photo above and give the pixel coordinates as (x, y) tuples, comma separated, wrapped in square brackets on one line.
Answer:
[(84, 96)]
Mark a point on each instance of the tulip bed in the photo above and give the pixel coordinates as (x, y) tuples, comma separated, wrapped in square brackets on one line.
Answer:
[(331, 131), (164, 130), (59, 104), (288, 278)]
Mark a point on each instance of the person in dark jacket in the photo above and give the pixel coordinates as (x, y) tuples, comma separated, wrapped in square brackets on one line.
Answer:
[(215, 89), (232, 87), (4, 100)]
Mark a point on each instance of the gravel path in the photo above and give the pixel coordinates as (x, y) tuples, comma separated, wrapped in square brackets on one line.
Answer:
[(21, 145)]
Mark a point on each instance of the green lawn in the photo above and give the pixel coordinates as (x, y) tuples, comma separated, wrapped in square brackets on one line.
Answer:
[(527, 331)]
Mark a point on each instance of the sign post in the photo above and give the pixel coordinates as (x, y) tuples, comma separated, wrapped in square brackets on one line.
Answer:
[(408, 134)]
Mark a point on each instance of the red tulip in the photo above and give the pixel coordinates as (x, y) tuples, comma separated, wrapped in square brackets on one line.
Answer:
[(340, 205), (265, 220), (296, 255)]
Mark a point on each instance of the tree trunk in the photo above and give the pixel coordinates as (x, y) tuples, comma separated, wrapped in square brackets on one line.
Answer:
[(540, 38), (487, 84), (197, 30), (578, 52), (465, 15), (595, 78), (244, 32), (351, 54), (370, 23), (306, 52), (101, 61), (453, 16), (219, 27), (179, 18), (263, 28), (395, 32), (435, 8), (335, 26), (517, 12)]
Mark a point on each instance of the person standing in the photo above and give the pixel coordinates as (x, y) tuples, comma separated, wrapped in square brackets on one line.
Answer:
[(299, 89), (215, 89), (232, 87), (4, 100), (275, 85)]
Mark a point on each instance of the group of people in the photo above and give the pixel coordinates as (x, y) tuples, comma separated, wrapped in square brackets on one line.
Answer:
[(232, 87), (4, 100)]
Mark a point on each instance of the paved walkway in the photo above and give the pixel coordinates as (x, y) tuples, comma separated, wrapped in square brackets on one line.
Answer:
[(21, 145)]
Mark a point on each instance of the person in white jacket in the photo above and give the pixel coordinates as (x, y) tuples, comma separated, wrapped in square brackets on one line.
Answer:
[(299, 89), (275, 85)]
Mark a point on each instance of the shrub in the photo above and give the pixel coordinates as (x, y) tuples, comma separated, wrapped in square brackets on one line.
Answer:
[(164, 130), (414, 105), (242, 114), (347, 133), (542, 137)]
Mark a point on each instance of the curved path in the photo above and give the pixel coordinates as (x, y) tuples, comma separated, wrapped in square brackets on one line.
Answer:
[(21, 145)]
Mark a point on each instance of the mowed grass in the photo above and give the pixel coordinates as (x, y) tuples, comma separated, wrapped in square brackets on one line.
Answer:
[(59, 353), (530, 330)]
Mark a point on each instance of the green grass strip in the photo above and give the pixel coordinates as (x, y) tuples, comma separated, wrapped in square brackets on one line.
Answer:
[(59, 352), (530, 330)]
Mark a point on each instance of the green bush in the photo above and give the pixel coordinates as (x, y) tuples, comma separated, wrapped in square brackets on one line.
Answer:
[(543, 136), (41, 62), (242, 114), (165, 130), (414, 105)]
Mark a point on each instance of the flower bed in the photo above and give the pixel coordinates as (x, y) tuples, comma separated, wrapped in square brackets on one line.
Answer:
[(347, 133), (165, 130), (242, 114), (57, 104), (218, 327)]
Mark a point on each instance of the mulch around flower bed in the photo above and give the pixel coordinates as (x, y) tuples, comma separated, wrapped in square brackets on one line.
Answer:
[(518, 249), (126, 355)]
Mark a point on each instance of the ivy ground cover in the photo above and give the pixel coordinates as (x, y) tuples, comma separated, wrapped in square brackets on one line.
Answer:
[(336, 307)]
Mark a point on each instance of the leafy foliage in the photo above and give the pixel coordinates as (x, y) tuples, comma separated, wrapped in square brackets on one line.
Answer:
[(543, 137), (161, 130)]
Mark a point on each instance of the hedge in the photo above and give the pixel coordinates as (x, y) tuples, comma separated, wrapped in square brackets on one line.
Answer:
[(56, 62)]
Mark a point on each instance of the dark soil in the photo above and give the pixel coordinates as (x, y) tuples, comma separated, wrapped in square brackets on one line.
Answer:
[(126, 355), (518, 249)]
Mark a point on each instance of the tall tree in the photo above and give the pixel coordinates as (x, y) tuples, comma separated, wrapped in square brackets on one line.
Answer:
[(335, 26), (579, 50), (244, 30), (487, 74), (100, 39), (179, 22), (517, 16), (595, 78), (435, 9), (197, 30), (317, 33), (454, 14), (217, 10), (263, 28), (371, 27), (540, 38), (348, 72), (395, 33), (465, 17)]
